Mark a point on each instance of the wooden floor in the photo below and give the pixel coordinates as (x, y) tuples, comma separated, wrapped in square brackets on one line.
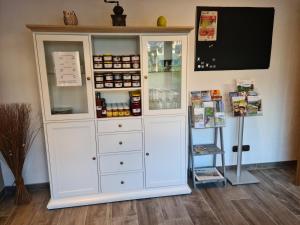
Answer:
[(275, 201)]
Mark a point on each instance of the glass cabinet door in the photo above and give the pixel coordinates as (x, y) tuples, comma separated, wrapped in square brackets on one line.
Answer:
[(64, 63), (164, 69)]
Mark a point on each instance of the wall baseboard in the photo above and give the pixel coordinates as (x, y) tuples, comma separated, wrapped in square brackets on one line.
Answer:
[(9, 190), (270, 165)]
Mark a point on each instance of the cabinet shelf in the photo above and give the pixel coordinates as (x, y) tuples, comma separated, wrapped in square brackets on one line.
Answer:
[(117, 70), (210, 149), (117, 89), (118, 117)]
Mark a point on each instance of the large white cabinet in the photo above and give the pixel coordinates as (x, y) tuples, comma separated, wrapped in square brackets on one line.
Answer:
[(95, 160)]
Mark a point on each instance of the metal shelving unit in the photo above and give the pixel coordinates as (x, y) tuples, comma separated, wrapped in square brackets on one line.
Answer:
[(206, 149)]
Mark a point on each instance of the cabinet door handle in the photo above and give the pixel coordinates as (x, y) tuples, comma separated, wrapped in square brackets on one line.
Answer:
[(120, 142), (120, 125), (147, 154), (122, 182), (121, 163), (145, 77), (94, 158), (88, 78)]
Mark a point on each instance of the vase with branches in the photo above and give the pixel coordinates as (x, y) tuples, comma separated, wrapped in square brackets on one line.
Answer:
[(16, 137)]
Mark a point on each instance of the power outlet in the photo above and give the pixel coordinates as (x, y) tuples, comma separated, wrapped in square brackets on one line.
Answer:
[(245, 148)]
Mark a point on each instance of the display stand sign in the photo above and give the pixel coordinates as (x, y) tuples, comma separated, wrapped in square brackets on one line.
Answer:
[(67, 68)]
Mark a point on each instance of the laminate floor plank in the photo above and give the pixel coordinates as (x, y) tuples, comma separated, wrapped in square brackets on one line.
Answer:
[(124, 209), (287, 198), (24, 214), (7, 206), (149, 212), (129, 220), (272, 206), (285, 177), (199, 210), (99, 215), (184, 221), (43, 216), (223, 207), (73, 216), (172, 208), (252, 212)]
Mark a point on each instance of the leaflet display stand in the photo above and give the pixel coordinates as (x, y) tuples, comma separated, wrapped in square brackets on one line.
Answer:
[(240, 176)]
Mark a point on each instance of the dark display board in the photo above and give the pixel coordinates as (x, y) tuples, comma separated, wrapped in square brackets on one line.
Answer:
[(243, 40)]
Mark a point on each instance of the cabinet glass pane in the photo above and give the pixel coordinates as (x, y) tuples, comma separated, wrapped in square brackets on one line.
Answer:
[(164, 74), (66, 99)]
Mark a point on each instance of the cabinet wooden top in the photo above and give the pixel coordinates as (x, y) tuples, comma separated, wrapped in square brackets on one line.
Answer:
[(107, 29)]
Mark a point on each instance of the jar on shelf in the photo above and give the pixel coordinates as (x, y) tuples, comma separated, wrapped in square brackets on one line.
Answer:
[(135, 58), (107, 65), (99, 85), (127, 83), (136, 109), (109, 112), (126, 58), (108, 77), (118, 83), (117, 65), (97, 58), (136, 83), (135, 65), (99, 77), (98, 65), (116, 58), (126, 65), (135, 76), (120, 109), (107, 58), (108, 84), (126, 76), (115, 112), (126, 110)]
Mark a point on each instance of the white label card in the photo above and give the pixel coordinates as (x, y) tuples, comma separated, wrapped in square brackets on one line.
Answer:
[(67, 68)]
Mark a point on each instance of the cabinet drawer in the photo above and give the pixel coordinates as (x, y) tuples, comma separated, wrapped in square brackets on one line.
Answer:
[(120, 142), (122, 182), (115, 125), (121, 162)]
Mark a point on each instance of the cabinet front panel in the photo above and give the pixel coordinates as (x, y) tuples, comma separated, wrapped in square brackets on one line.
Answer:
[(119, 125), (120, 142), (121, 162), (165, 151), (72, 149), (122, 182), (164, 70), (65, 71)]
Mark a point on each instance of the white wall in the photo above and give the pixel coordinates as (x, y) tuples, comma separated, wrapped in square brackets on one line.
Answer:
[(270, 136)]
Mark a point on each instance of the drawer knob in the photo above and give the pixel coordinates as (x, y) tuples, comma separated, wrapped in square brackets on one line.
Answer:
[(120, 125), (147, 154), (120, 142), (122, 182), (94, 158), (121, 163), (88, 78), (145, 77)]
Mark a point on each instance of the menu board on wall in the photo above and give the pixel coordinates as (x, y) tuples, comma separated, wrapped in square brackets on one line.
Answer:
[(67, 68), (233, 38)]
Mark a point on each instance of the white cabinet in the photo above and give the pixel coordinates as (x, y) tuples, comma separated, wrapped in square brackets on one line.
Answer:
[(72, 158), (95, 160), (165, 151)]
